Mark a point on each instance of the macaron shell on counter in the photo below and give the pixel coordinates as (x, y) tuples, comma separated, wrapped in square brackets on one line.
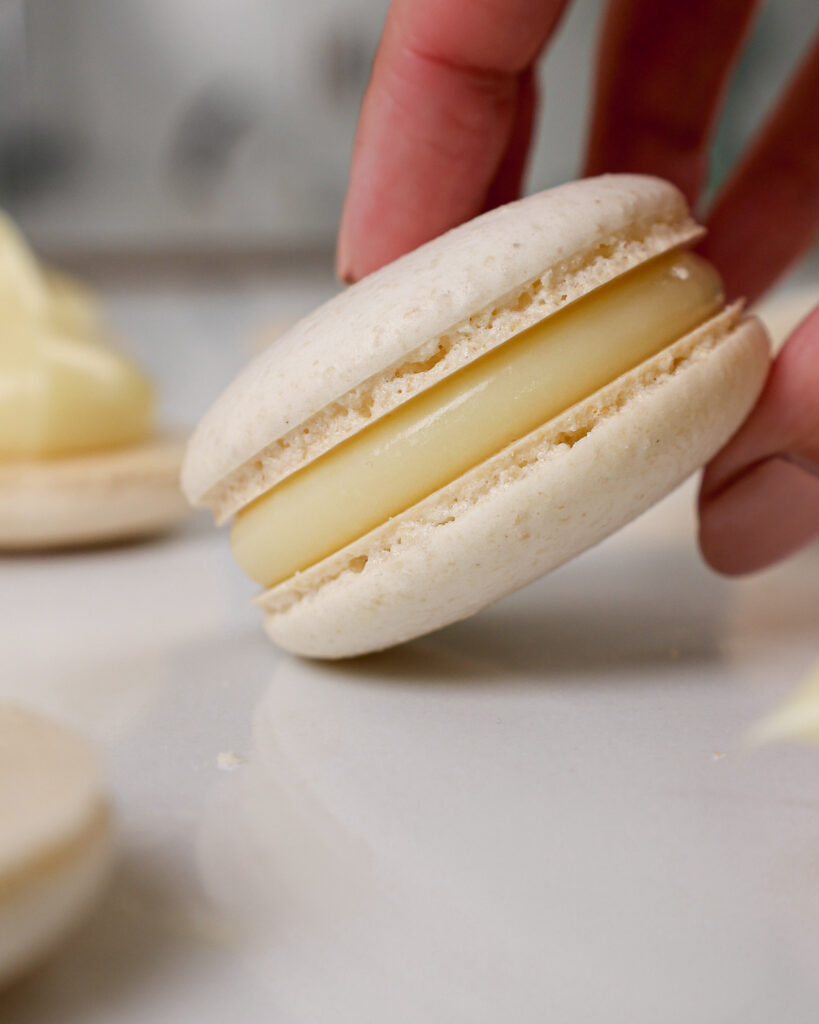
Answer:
[(410, 333), (91, 499), (80, 460), (55, 836)]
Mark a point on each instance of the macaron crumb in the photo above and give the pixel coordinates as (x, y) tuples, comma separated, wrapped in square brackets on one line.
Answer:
[(228, 761)]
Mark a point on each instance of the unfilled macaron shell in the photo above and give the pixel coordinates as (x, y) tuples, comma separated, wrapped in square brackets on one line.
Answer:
[(55, 836), (113, 495)]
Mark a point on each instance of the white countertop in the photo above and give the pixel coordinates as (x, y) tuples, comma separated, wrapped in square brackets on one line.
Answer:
[(543, 813)]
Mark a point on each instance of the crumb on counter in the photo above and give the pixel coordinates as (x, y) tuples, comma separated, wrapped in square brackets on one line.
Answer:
[(228, 761)]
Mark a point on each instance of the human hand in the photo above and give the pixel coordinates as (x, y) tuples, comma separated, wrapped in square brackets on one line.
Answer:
[(444, 133)]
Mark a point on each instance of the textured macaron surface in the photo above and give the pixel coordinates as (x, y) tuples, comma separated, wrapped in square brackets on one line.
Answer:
[(355, 370), (420, 318), (458, 423), (533, 506)]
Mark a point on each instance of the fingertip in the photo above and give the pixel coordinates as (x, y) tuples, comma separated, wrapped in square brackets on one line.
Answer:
[(345, 271), (344, 274), (716, 542), (765, 514), (719, 555)]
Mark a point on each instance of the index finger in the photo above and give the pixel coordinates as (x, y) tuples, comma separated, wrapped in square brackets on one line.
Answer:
[(436, 121)]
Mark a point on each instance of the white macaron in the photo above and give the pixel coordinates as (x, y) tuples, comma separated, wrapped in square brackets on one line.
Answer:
[(55, 836), (96, 498), (476, 413)]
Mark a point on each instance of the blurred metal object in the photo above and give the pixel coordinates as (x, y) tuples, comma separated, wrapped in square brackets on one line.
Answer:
[(180, 125), (207, 135), (33, 161), (12, 58), (172, 124), (34, 155)]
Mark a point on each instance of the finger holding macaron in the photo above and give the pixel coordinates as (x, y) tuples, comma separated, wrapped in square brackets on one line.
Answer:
[(476, 413), (759, 500)]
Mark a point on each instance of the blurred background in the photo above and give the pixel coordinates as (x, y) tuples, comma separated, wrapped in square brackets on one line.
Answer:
[(187, 127)]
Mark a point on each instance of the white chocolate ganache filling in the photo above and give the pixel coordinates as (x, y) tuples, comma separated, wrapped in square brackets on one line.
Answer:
[(466, 418)]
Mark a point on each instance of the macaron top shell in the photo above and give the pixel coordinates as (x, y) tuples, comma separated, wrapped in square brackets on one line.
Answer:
[(470, 282)]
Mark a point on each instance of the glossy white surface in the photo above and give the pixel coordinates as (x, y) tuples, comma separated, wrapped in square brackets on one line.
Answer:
[(544, 813)]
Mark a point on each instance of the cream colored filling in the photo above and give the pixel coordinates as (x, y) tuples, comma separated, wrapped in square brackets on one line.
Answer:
[(63, 390), (797, 720), (73, 308), (435, 437)]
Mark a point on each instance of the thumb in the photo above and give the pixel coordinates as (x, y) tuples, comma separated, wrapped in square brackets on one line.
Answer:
[(759, 499)]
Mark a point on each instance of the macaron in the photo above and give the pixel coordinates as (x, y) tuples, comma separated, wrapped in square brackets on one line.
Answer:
[(81, 458), (55, 836), (475, 414), (95, 498)]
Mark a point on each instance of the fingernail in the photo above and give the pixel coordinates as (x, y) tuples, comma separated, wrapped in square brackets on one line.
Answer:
[(344, 271), (344, 261)]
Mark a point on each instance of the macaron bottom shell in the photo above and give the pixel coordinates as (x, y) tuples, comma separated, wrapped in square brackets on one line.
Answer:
[(532, 507), (123, 494)]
